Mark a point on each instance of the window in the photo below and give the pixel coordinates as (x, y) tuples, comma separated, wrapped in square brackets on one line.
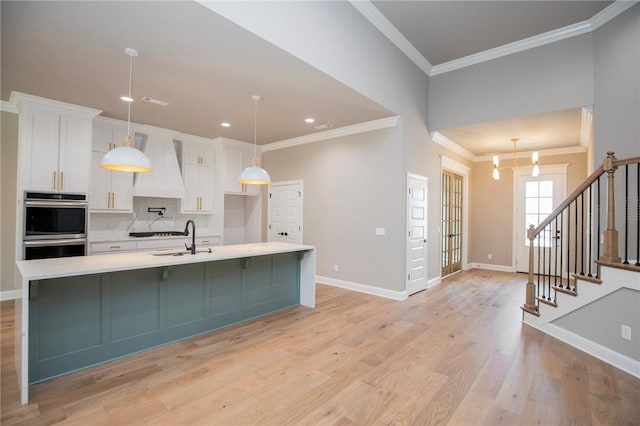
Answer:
[(538, 199)]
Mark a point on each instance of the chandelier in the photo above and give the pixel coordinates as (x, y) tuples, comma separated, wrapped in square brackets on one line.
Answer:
[(496, 162)]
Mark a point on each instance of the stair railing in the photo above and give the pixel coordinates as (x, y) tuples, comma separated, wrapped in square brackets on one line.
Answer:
[(570, 243)]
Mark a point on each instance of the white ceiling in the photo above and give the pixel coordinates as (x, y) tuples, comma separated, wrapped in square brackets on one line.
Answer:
[(443, 31), (207, 68), (557, 129)]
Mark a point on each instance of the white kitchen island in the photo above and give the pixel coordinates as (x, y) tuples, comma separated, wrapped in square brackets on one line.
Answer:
[(81, 311)]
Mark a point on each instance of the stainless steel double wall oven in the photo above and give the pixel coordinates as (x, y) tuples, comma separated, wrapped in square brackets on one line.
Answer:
[(55, 225)]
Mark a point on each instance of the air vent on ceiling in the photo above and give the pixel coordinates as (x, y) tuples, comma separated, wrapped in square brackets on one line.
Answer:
[(155, 101), (323, 126)]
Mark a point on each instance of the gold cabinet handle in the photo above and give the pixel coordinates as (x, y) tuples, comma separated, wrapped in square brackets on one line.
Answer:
[(108, 199), (53, 181), (61, 180)]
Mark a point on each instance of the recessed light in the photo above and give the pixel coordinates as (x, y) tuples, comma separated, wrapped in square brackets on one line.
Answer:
[(309, 120), (225, 124), (126, 98)]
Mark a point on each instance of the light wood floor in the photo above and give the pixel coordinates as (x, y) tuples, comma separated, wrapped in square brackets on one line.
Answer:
[(457, 354)]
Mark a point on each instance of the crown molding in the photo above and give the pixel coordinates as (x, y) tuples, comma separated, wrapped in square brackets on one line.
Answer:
[(369, 11), (527, 154), (452, 146), (373, 15), (353, 129), (515, 47), (7, 107), (610, 12)]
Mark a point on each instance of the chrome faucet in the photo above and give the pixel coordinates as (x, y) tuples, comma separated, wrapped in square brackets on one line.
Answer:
[(193, 236)]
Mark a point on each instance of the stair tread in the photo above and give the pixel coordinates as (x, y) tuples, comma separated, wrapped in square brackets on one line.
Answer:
[(547, 302), (628, 267), (566, 291), (593, 280), (530, 311)]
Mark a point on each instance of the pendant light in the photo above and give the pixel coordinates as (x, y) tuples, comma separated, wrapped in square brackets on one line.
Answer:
[(127, 158), (255, 174), (496, 162)]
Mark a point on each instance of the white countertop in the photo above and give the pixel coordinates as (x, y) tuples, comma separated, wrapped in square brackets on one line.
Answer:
[(83, 265)]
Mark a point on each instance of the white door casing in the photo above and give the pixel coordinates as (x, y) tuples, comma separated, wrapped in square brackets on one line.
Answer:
[(285, 212), (557, 175), (416, 233), (450, 165)]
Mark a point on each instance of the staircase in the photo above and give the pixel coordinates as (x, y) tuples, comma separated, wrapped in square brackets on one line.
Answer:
[(575, 262)]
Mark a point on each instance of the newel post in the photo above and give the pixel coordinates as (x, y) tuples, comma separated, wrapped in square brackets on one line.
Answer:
[(530, 302), (610, 249)]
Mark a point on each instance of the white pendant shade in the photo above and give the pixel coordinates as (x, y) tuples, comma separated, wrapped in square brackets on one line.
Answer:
[(126, 159), (254, 175)]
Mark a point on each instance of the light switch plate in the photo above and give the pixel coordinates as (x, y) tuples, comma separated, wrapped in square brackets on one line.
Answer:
[(380, 231)]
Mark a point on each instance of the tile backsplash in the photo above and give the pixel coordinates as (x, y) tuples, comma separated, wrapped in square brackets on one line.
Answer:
[(109, 226)]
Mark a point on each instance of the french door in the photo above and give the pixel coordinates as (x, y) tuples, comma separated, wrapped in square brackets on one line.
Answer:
[(452, 198)]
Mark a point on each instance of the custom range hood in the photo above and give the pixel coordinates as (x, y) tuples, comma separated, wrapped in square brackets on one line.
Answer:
[(165, 181)]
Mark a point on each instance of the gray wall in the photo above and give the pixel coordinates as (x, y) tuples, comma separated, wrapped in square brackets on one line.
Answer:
[(348, 192), (548, 78), (8, 176), (616, 113), (601, 321)]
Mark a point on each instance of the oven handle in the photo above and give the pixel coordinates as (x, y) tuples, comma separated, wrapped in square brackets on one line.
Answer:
[(63, 204), (43, 243)]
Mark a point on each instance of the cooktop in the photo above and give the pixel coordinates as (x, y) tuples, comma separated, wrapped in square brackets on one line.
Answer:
[(156, 234)]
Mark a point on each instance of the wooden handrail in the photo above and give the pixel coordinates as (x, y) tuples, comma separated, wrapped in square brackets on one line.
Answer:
[(574, 195), (625, 161)]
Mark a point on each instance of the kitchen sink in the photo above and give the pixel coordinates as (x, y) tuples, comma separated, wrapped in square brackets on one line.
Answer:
[(180, 252)]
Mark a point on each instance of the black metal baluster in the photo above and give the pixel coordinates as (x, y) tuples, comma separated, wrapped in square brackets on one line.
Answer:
[(638, 215), (561, 240), (575, 255), (589, 231), (544, 260), (568, 244), (582, 233), (626, 214), (598, 220), (555, 258), (538, 269), (549, 236)]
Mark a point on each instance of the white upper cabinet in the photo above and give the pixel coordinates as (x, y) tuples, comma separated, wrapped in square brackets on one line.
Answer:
[(237, 157), (111, 191), (197, 160), (54, 144)]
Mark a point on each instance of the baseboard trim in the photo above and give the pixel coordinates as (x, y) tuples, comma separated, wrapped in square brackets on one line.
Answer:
[(605, 354), (10, 295), (362, 288), (434, 281), (492, 267)]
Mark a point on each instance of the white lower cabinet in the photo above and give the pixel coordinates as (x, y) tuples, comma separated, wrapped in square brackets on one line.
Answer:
[(151, 245), (109, 247)]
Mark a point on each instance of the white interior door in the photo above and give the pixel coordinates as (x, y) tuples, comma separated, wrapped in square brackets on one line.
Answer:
[(536, 198), (285, 212), (416, 233)]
